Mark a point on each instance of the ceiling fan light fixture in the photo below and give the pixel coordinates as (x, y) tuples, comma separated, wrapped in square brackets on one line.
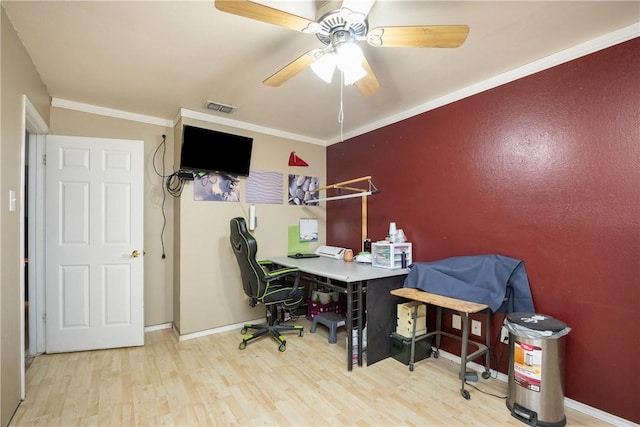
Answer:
[(354, 74), (349, 60), (325, 66)]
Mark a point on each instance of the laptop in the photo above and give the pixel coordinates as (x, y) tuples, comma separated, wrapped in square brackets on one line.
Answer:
[(303, 255)]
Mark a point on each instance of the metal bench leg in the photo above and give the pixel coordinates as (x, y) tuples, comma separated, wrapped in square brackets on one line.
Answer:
[(463, 354), (487, 356), (414, 318), (438, 326)]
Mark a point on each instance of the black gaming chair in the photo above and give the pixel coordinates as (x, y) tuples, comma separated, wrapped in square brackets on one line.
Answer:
[(264, 286)]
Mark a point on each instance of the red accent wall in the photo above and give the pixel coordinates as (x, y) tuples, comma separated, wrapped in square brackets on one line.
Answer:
[(545, 169)]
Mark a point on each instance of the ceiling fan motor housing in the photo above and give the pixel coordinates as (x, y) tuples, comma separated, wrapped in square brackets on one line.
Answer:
[(335, 29)]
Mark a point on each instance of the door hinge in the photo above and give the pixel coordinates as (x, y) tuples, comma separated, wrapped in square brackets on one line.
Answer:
[(44, 159), (44, 317)]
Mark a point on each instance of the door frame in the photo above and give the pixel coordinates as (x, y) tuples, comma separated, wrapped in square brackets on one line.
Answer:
[(32, 122)]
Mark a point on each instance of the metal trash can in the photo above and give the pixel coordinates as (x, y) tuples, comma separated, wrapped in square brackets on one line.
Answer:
[(536, 369)]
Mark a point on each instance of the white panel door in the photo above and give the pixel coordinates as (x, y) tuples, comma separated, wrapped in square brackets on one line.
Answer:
[(94, 243)]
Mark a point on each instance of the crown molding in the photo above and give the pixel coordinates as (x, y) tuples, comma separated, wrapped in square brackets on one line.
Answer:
[(109, 112), (198, 115), (611, 39), (34, 122)]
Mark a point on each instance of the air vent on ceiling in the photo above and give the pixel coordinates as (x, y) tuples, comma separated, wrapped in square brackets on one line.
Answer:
[(216, 106)]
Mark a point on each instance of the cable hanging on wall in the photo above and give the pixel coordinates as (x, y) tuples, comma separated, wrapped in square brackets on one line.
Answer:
[(162, 175)]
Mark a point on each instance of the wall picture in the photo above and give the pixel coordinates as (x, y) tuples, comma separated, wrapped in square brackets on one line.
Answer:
[(264, 187), (303, 190), (308, 230), (216, 187)]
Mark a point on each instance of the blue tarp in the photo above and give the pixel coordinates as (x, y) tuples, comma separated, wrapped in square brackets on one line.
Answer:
[(485, 279)]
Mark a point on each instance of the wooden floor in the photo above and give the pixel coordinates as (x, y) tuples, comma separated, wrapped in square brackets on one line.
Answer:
[(209, 382)]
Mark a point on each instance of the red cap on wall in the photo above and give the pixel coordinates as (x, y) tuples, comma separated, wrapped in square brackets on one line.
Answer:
[(296, 161)]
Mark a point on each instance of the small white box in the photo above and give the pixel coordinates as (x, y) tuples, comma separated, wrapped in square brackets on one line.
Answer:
[(405, 327), (405, 310), (404, 319)]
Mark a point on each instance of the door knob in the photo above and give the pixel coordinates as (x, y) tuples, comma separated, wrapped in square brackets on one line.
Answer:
[(135, 254)]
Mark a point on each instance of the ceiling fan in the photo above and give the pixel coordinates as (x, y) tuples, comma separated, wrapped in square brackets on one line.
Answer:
[(341, 29)]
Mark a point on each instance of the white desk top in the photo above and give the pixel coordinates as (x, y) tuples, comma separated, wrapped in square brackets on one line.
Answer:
[(339, 269)]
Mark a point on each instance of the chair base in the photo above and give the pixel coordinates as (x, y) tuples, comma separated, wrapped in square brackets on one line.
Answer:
[(269, 327), (274, 330)]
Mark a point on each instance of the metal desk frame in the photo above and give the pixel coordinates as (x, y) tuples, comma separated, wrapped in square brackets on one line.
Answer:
[(463, 308), (355, 277)]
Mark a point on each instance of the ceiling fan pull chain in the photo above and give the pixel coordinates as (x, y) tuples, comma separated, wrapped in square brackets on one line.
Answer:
[(341, 112)]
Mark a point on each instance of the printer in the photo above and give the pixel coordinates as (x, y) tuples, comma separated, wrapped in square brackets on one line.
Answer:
[(330, 252)]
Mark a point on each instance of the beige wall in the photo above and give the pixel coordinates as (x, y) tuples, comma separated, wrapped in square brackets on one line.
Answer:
[(207, 292), (158, 272), (19, 78), (210, 291)]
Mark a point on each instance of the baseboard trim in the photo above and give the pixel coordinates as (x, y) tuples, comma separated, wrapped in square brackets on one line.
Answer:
[(158, 327), (214, 331), (569, 403), (599, 414)]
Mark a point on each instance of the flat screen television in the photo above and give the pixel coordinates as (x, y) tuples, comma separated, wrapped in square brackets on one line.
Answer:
[(206, 150)]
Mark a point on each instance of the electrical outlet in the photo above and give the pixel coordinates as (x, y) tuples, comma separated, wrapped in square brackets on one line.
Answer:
[(456, 321), (504, 335), (476, 327)]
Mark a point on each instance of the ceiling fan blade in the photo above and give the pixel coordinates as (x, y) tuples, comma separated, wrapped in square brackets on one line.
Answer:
[(420, 36), (260, 12), (292, 69), (356, 10), (368, 85)]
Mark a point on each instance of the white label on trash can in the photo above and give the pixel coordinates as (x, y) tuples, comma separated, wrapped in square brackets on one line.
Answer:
[(527, 365)]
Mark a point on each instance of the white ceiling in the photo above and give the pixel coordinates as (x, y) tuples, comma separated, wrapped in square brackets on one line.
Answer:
[(156, 57)]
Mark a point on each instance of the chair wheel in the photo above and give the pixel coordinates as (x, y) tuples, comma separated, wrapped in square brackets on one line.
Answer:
[(243, 331), (282, 347), (242, 345), (486, 375), (411, 367), (465, 394)]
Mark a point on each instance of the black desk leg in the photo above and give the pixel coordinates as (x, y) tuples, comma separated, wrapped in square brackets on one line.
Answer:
[(349, 326), (360, 324)]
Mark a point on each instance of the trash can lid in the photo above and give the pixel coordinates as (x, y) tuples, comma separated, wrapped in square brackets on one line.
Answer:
[(537, 322)]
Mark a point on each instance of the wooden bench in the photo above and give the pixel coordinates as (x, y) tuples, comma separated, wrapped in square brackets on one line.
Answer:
[(464, 309)]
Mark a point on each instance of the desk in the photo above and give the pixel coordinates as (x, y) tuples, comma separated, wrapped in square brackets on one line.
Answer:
[(464, 308), (354, 279)]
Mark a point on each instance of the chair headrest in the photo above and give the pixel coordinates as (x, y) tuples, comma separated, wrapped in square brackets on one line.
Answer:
[(241, 224)]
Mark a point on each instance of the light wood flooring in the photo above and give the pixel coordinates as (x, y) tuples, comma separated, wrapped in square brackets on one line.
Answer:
[(210, 382)]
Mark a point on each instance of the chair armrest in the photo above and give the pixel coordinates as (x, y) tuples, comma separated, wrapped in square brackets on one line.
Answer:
[(281, 273), (268, 267), (265, 263)]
